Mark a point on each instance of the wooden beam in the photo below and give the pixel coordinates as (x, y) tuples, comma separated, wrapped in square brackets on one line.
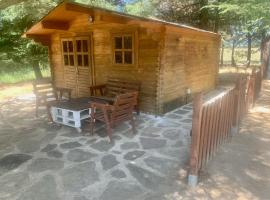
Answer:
[(43, 39), (112, 19), (58, 25)]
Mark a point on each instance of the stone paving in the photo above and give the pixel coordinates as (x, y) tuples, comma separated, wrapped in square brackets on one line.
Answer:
[(43, 161)]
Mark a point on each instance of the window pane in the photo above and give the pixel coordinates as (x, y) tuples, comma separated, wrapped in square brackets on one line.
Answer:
[(79, 45), (65, 59), (71, 60), (118, 42), (118, 57), (65, 48), (128, 42), (85, 47), (85, 60), (128, 57), (79, 57), (70, 46)]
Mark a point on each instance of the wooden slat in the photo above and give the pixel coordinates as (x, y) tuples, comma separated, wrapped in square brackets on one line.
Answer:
[(60, 25), (205, 135), (210, 130), (196, 135)]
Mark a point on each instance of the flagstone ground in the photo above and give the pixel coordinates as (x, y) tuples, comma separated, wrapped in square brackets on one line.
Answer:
[(44, 161), (41, 161)]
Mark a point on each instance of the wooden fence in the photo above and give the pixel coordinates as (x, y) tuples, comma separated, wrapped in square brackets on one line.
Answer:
[(217, 119)]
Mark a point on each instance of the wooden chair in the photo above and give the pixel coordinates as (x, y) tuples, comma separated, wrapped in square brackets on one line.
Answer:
[(47, 94), (114, 87), (120, 111)]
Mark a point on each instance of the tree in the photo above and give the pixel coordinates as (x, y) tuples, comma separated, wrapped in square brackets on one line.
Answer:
[(250, 17), (186, 11), (14, 21), (144, 8), (6, 3)]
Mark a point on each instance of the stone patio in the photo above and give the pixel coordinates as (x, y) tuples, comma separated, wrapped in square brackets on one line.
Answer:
[(43, 161)]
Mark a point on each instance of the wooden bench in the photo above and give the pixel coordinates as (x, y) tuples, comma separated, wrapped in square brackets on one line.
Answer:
[(120, 111), (114, 87), (47, 94)]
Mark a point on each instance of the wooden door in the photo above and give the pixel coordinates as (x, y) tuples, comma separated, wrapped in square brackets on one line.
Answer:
[(77, 65), (70, 69), (83, 66)]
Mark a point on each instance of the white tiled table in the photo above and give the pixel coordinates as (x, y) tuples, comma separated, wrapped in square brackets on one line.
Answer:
[(71, 113)]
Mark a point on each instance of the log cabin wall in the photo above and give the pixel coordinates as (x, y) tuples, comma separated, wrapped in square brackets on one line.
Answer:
[(56, 61), (189, 61), (145, 68)]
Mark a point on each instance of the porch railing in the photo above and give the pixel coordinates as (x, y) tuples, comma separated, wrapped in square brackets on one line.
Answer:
[(216, 120)]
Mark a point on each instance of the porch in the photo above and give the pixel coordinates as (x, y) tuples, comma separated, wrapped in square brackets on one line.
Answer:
[(59, 163)]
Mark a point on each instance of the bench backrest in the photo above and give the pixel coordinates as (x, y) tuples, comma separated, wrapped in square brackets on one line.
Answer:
[(123, 107), (115, 86), (43, 88)]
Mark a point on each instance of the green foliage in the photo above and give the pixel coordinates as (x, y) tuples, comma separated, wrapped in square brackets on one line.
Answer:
[(186, 11), (99, 3), (143, 8), (14, 49), (15, 74), (251, 16)]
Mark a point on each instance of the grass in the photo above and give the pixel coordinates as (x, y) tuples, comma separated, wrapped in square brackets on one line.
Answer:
[(21, 75), (14, 83), (241, 56)]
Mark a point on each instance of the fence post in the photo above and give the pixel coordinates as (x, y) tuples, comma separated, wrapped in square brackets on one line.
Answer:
[(259, 82), (195, 140), (236, 114), (253, 85)]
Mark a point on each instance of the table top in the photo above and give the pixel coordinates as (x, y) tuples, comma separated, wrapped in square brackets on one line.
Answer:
[(79, 103)]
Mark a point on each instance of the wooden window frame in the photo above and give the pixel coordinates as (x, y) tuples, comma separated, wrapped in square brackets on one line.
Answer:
[(68, 53), (82, 53), (75, 53), (133, 49)]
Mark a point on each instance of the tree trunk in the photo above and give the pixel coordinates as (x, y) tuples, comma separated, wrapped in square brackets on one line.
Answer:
[(263, 43), (249, 49), (265, 55), (232, 57), (204, 15), (37, 70), (216, 25), (222, 54)]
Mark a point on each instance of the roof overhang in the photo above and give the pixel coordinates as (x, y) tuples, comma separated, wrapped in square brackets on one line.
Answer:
[(59, 19)]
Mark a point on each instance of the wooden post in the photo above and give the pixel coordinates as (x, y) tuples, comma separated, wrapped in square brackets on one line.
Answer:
[(195, 143), (253, 90), (237, 97)]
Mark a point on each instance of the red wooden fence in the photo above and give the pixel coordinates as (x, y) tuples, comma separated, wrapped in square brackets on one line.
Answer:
[(215, 120)]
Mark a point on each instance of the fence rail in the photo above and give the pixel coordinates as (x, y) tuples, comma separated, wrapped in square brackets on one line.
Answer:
[(217, 119)]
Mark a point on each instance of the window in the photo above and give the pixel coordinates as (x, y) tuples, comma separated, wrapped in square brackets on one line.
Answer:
[(76, 52), (123, 49), (82, 52), (68, 52)]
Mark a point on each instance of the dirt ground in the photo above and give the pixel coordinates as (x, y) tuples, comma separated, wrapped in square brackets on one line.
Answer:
[(8, 91)]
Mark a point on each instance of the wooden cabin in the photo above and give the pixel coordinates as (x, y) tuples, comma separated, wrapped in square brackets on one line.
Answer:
[(89, 44)]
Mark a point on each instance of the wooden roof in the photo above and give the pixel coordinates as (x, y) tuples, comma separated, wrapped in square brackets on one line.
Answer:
[(60, 17)]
